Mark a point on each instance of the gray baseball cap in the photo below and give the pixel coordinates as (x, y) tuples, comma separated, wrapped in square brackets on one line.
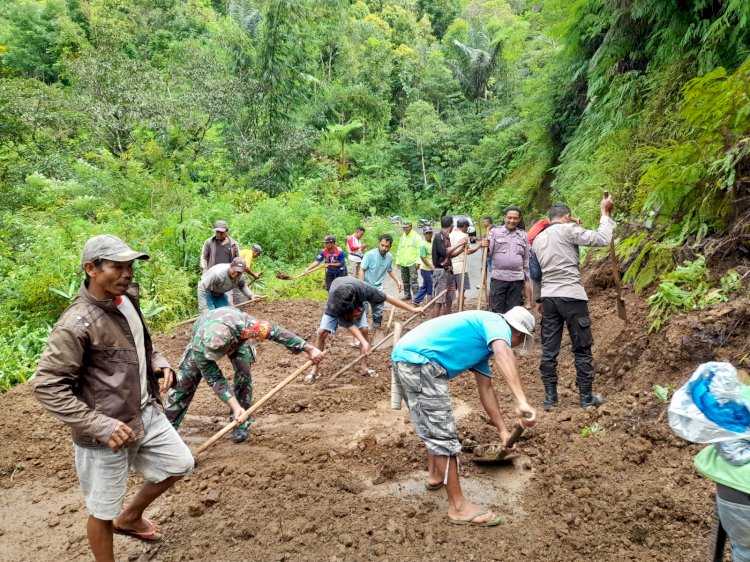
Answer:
[(221, 226), (238, 264), (258, 249), (108, 247)]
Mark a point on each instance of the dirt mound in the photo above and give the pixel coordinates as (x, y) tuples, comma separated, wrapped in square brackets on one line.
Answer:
[(332, 473)]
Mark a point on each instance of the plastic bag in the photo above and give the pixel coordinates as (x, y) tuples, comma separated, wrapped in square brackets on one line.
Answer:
[(713, 406)]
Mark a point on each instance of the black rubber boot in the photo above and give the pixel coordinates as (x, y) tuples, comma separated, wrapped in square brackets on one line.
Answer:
[(589, 399), (550, 396), (239, 435)]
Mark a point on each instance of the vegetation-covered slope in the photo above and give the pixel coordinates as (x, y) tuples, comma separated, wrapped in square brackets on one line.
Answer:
[(295, 118)]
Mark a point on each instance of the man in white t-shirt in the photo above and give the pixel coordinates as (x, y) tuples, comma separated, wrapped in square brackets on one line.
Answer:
[(460, 236)]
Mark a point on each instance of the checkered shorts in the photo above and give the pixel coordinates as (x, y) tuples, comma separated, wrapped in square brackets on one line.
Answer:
[(425, 390)]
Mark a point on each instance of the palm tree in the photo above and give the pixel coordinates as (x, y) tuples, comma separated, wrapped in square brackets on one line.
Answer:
[(475, 68)]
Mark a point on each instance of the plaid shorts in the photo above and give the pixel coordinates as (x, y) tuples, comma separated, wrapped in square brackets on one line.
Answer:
[(444, 280), (425, 390)]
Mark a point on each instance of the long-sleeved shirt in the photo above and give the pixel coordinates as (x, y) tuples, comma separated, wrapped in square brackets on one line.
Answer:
[(509, 252), (556, 248), (215, 252), (217, 282)]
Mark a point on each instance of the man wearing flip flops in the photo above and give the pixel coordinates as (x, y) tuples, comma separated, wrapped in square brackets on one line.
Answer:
[(99, 375), (434, 352)]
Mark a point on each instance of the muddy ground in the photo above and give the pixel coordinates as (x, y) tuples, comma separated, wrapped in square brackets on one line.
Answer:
[(331, 473)]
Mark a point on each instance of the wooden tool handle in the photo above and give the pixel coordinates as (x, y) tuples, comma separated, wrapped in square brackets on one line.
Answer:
[(254, 408), (385, 339)]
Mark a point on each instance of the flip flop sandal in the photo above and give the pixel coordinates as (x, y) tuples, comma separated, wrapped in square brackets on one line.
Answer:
[(145, 536), (433, 487), (310, 378), (471, 521), (370, 373)]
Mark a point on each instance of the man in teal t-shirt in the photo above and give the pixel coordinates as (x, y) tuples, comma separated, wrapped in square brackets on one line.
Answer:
[(376, 263), (441, 349)]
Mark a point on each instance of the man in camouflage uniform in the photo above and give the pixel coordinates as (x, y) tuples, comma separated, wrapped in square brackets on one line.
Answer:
[(226, 332)]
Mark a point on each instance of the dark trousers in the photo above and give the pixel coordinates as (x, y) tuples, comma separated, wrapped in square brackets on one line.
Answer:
[(504, 295), (559, 311)]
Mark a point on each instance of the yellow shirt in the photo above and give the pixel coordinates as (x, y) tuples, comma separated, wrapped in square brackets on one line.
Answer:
[(247, 255)]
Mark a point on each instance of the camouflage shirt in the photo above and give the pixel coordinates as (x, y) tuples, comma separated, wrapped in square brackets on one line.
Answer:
[(223, 331)]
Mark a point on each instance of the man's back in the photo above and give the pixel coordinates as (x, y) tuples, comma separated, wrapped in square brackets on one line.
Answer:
[(556, 248)]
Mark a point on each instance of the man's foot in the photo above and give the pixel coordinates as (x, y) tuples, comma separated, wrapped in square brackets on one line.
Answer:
[(310, 378), (370, 373), (434, 487), (147, 531), (239, 435), (482, 518), (353, 343), (589, 399)]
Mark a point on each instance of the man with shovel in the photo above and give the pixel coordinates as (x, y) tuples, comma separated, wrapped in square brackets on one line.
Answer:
[(563, 298), (333, 259), (219, 333), (438, 350), (346, 308)]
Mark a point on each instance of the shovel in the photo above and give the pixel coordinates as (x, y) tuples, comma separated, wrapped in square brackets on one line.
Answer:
[(616, 276), (495, 455), (287, 277)]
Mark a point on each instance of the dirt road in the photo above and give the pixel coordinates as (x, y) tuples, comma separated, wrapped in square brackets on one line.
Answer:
[(331, 473)]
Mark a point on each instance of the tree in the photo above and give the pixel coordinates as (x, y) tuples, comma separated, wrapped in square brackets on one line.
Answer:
[(423, 127), (340, 134), (475, 67)]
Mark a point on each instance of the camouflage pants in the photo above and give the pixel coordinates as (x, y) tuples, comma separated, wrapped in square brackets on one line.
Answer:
[(425, 390), (195, 366), (410, 281)]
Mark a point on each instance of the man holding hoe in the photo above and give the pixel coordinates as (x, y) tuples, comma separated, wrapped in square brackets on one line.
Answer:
[(345, 308), (219, 333), (434, 352)]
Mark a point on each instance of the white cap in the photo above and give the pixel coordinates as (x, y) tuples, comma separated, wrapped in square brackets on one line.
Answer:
[(522, 320)]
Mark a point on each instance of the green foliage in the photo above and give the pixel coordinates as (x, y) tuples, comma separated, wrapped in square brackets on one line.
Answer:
[(593, 429), (662, 392), (688, 288)]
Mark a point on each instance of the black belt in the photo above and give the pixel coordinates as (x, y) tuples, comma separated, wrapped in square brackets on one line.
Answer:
[(732, 495)]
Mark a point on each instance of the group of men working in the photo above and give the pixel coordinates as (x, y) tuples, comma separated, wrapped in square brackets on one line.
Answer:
[(100, 373)]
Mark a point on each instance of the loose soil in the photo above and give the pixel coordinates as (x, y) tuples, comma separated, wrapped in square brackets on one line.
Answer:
[(332, 473)]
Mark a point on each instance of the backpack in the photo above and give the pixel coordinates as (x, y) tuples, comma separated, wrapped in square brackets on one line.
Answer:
[(535, 270)]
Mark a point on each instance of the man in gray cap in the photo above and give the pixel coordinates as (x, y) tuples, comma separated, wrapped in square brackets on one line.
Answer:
[(220, 248), (99, 375), (218, 282)]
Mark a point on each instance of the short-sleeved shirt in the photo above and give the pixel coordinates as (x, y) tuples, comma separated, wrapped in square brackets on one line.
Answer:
[(362, 293), (457, 237), (336, 256), (426, 251), (456, 342), (248, 256), (440, 244), (376, 266)]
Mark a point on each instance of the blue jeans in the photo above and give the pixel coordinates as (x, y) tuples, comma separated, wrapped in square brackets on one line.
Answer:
[(735, 518), (426, 289), (213, 302)]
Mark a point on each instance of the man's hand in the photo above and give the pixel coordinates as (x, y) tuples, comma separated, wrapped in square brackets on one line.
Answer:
[(504, 436), (526, 415), (315, 355), (484, 243), (238, 412), (364, 347), (122, 436), (168, 380), (606, 205)]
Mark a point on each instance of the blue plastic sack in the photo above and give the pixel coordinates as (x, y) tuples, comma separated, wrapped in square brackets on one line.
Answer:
[(713, 406)]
